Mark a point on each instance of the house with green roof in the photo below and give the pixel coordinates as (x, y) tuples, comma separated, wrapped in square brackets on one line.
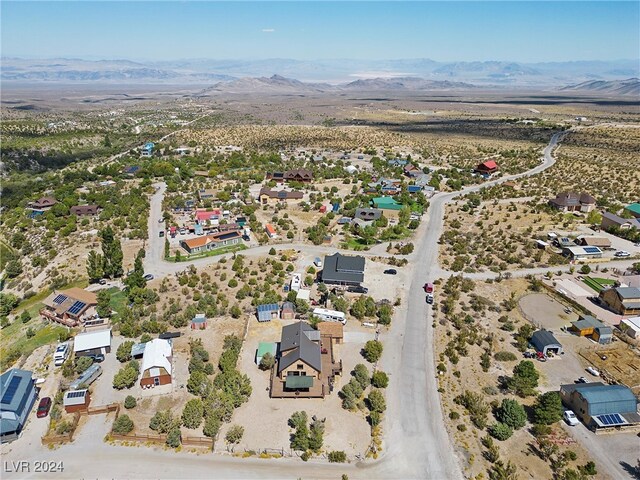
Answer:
[(633, 209), (385, 203)]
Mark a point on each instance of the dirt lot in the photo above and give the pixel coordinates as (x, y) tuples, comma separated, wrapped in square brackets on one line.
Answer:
[(622, 363), (265, 419)]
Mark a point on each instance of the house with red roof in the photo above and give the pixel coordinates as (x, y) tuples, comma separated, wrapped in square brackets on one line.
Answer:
[(203, 216), (270, 230), (487, 168)]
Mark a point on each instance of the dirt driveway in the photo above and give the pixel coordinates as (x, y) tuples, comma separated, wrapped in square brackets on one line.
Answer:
[(545, 312)]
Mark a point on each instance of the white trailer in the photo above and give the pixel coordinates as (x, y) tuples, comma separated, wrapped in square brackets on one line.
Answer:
[(330, 315)]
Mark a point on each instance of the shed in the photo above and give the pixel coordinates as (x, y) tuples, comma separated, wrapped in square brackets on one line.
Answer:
[(76, 400), (303, 294), (156, 363), (585, 326), (268, 312), (92, 342), (137, 350), (265, 347), (603, 334), (631, 326), (199, 322), (544, 341), (288, 311)]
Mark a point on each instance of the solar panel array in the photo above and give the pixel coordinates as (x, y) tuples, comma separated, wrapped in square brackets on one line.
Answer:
[(611, 420), (79, 393), (9, 393), (592, 249), (76, 307), (59, 299)]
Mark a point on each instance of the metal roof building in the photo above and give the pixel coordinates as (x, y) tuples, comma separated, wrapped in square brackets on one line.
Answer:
[(601, 405), (265, 347), (343, 270), (18, 396), (544, 341), (268, 312), (92, 342), (299, 343)]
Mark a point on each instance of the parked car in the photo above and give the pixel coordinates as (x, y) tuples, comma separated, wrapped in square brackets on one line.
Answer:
[(593, 371), (96, 357), (541, 356), (429, 298), (161, 233), (43, 407), (428, 287), (102, 281), (570, 418), (529, 354), (317, 262), (148, 277), (622, 253), (358, 289), (582, 380), (390, 271), (160, 220)]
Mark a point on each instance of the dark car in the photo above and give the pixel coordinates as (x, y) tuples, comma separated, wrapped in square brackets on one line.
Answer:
[(43, 407), (429, 298), (96, 357), (390, 271), (358, 289), (161, 233)]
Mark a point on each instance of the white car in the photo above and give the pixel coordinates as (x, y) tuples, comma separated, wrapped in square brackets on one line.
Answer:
[(317, 262), (593, 371), (622, 253), (570, 418)]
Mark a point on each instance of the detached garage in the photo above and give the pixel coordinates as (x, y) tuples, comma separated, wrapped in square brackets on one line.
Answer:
[(544, 341), (92, 343)]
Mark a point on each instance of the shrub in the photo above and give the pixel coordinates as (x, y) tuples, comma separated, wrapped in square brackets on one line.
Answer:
[(63, 427), (461, 427), (123, 424), (267, 361), (130, 402), (376, 401), (375, 418), (524, 379), (505, 356), (454, 415), (500, 431), (475, 406), (192, 413), (161, 422), (234, 435), (82, 364), (380, 379), (337, 456), (174, 437), (361, 374)]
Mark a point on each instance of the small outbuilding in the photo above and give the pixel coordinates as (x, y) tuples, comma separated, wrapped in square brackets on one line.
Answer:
[(589, 326), (544, 341), (76, 400), (92, 343), (631, 326), (265, 347), (156, 363), (268, 312), (199, 322), (288, 311)]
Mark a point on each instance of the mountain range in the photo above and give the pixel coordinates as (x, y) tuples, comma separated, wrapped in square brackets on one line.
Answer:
[(322, 75)]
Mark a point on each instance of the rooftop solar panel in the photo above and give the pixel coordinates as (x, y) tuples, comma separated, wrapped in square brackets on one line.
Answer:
[(75, 394), (612, 419), (59, 299), (76, 307), (591, 249), (9, 393)]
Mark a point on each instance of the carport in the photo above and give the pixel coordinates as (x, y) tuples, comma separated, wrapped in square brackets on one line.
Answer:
[(544, 341)]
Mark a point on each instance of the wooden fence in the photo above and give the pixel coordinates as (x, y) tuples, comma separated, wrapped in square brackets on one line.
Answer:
[(132, 437), (64, 438), (198, 442), (112, 407)]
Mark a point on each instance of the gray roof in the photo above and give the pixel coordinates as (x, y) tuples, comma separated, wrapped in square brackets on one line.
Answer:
[(543, 338), (343, 269), (297, 339), (265, 311), (635, 223), (628, 292), (16, 387), (586, 322), (368, 213), (138, 349)]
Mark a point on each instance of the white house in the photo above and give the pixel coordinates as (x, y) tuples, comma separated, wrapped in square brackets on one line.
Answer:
[(92, 343)]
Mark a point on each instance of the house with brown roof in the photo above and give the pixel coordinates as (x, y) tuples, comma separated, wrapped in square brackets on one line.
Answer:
[(591, 241), (622, 300), (611, 220), (210, 242), (411, 170), (487, 168), (298, 175), (43, 203), (69, 307), (573, 202), (267, 195), (332, 330), (84, 210)]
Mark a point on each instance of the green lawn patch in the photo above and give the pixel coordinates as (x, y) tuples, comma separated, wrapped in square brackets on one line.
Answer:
[(118, 299), (211, 253), (598, 284), (16, 344)]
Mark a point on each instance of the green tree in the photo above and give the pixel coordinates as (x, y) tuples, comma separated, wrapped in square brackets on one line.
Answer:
[(337, 456), (136, 280), (13, 268), (193, 413), (379, 379), (500, 471), (298, 419), (162, 421), (25, 316), (123, 353), (130, 402), (234, 434), (500, 431), (126, 376), (372, 351), (512, 413), (524, 379), (212, 426), (198, 383), (361, 374), (300, 438), (95, 266), (122, 425), (267, 361), (316, 433), (548, 408), (82, 364), (104, 303), (376, 401), (111, 253), (174, 437)]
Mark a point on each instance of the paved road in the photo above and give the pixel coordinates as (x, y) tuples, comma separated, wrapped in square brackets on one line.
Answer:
[(416, 443)]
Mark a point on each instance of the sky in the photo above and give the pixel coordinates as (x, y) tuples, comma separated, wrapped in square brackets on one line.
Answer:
[(444, 31)]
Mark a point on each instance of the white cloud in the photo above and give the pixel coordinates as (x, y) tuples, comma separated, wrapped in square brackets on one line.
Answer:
[(268, 30)]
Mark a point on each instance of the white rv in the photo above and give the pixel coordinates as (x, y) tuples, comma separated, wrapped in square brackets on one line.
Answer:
[(330, 315)]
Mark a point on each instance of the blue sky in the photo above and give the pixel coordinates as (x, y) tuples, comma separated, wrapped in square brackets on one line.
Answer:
[(444, 31)]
